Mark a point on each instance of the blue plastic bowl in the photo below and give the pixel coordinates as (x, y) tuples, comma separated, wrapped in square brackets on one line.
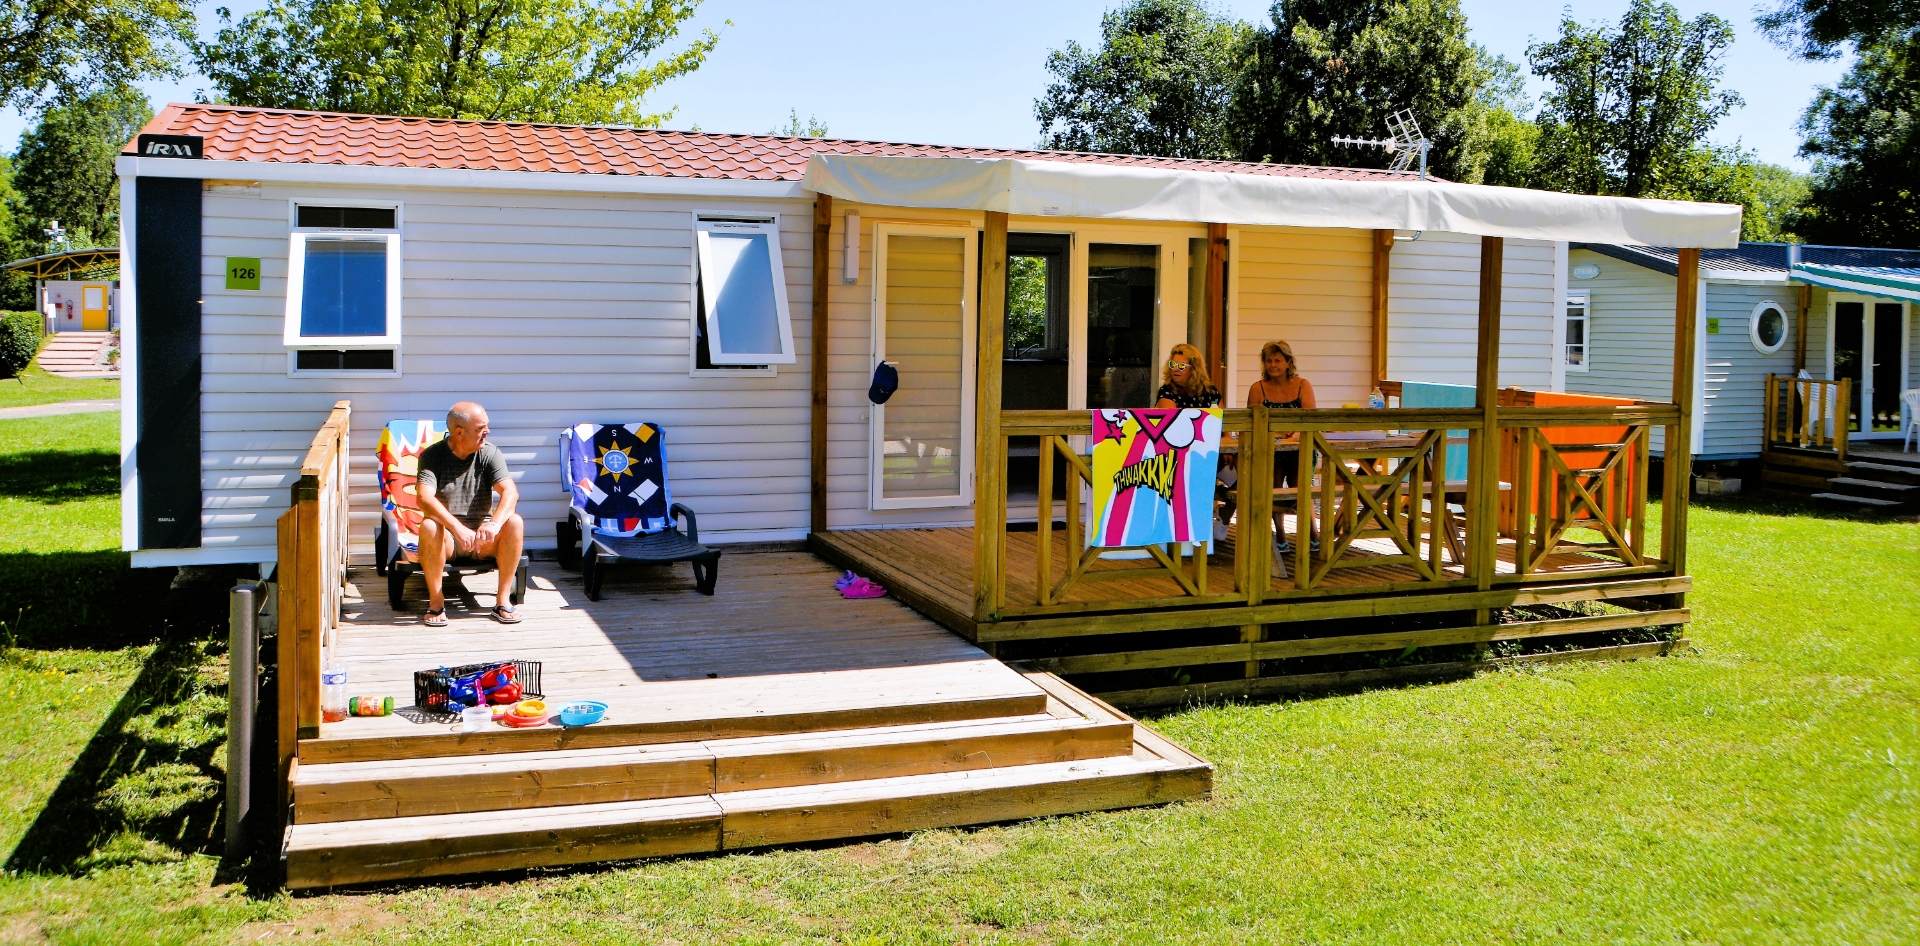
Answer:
[(582, 713)]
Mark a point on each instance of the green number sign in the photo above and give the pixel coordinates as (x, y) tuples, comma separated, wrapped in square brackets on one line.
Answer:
[(1713, 326), (243, 272)]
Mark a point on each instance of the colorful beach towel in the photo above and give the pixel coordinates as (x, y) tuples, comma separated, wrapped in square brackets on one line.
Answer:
[(1153, 473), (617, 473), (399, 456)]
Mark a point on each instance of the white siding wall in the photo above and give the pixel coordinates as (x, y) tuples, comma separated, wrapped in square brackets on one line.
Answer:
[(1433, 322), (549, 309), (1736, 372), (1314, 290), (1629, 332)]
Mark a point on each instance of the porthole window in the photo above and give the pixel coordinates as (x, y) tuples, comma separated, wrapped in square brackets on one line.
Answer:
[(1768, 327)]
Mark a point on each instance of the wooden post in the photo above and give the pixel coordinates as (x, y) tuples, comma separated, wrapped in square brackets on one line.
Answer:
[(1800, 330), (989, 451), (287, 657), (1679, 446), (1382, 247), (1216, 290), (1484, 516), (822, 245)]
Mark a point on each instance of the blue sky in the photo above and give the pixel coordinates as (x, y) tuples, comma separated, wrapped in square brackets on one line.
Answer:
[(916, 72)]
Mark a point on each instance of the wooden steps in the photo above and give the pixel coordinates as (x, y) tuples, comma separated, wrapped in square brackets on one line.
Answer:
[(1882, 482), (392, 819)]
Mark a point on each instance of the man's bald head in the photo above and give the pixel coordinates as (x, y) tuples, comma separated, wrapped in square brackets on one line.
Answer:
[(466, 427)]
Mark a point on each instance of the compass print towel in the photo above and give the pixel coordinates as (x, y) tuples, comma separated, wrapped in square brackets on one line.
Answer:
[(620, 476), (1153, 472)]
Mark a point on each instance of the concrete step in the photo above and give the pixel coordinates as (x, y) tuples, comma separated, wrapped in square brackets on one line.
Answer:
[(323, 855), (1879, 489), (1860, 502), (1884, 472)]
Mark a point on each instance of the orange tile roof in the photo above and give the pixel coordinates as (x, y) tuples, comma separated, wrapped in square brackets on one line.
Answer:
[(233, 133)]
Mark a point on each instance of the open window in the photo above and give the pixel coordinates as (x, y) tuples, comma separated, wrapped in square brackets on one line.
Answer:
[(343, 278), (1576, 350), (742, 302)]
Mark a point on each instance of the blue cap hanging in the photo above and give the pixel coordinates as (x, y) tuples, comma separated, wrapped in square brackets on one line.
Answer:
[(886, 380)]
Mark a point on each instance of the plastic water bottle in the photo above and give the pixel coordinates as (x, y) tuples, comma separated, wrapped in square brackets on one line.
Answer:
[(1376, 400), (333, 696)]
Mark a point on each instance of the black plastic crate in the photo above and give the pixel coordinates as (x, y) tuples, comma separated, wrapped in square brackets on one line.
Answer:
[(429, 684)]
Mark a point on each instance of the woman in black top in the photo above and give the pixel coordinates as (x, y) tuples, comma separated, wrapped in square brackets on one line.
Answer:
[(1184, 382), (1281, 388)]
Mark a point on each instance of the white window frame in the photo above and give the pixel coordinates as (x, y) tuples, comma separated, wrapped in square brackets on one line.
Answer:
[(1585, 301), (1753, 327), (297, 271), (703, 225), (969, 292)]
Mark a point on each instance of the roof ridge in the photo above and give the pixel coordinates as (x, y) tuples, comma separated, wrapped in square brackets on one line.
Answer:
[(176, 110)]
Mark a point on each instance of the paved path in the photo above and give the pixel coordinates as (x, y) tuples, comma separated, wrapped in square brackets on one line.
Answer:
[(59, 407)]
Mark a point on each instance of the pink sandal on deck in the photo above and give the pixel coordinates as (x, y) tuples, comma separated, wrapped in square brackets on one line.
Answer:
[(863, 588)]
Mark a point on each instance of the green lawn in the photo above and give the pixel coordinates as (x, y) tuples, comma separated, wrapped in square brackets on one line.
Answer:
[(1759, 790), (36, 386)]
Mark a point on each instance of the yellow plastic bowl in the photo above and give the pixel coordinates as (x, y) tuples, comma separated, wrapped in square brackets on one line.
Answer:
[(530, 708)]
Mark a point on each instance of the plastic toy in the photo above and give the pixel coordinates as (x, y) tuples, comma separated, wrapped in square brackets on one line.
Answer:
[(530, 708), (583, 713), (494, 685)]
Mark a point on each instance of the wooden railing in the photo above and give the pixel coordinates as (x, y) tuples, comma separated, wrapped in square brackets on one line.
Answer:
[(1799, 412), (311, 575), (1374, 511)]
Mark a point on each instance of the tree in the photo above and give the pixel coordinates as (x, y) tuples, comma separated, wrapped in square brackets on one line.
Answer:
[(1816, 29), (1864, 139), (1781, 196), (1628, 110), (1340, 67), (64, 170), (559, 61), (1159, 84), (63, 49), (16, 290), (814, 127)]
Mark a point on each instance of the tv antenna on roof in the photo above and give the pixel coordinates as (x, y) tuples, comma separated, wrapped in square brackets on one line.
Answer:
[(1407, 140)]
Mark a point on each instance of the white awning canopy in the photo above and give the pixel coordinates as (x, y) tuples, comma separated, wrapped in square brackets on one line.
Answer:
[(1104, 191)]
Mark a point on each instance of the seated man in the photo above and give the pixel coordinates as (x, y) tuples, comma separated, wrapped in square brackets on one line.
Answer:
[(458, 476)]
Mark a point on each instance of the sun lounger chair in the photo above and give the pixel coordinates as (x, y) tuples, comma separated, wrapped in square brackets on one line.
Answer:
[(623, 510), (396, 544)]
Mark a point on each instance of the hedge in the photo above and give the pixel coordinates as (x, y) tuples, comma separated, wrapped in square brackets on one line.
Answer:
[(19, 341)]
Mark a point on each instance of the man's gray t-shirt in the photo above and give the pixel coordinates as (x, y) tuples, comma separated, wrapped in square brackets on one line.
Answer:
[(465, 487)]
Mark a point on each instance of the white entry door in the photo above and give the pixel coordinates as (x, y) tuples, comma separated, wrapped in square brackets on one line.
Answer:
[(1868, 343), (924, 294)]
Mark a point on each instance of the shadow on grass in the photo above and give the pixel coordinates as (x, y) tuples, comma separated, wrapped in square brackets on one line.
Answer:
[(148, 786), (57, 476), (1789, 507), (80, 600)]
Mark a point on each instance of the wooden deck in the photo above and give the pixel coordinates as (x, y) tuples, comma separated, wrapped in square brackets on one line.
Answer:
[(933, 568), (773, 712)]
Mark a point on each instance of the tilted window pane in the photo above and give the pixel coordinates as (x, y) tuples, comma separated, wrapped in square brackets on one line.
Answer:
[(742, 312), (344, 292), (922, 426)]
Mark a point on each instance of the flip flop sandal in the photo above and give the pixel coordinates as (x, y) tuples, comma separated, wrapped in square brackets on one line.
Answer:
[(435, 618), (505, 615)]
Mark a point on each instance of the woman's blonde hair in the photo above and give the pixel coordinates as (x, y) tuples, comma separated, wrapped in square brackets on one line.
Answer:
[(1196, 380), (1267, 350)]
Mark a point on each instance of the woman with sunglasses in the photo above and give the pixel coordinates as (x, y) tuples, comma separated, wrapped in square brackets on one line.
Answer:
[(1184, 382)]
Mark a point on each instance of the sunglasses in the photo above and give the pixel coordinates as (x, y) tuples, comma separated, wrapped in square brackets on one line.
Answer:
[(1177, 366)]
